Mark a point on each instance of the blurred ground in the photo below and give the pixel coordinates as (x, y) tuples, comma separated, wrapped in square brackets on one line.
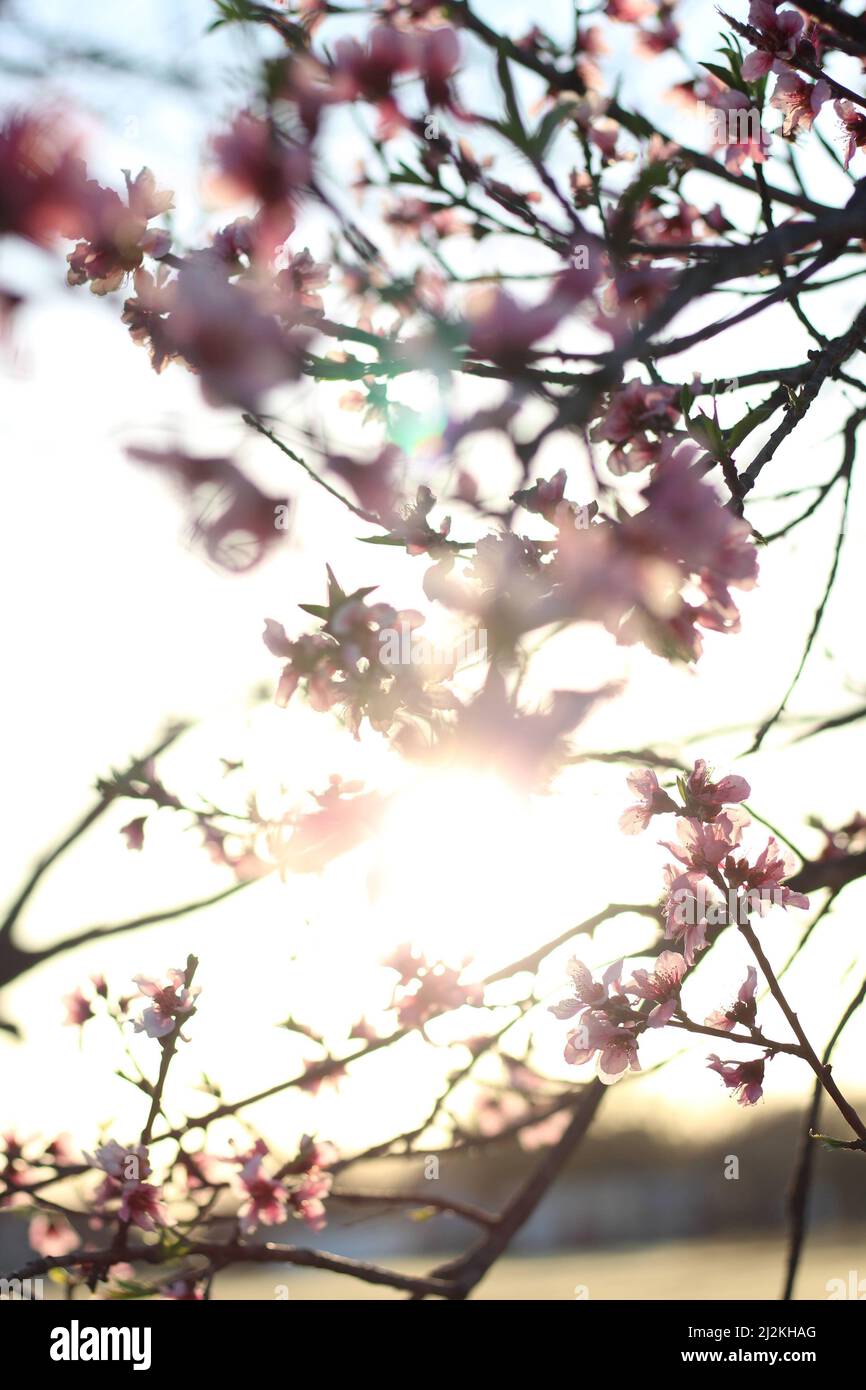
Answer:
[(684, 1270)]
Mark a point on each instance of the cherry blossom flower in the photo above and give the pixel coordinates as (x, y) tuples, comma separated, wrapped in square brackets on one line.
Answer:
[(743, 136), (744, 1008), (43, 189), (437, 988), (437, 58), (306, 1199), (703, 846), (221, 330), (141, 1205), (255, 160), (504, 330), (546, 498), (745, 1077), (297, 287), (617, 1047), (662, 987), (665, 35), (119, 236), (121, 1163), (134, 832), (172, 1001), (51, 1235), (78, 1008), (636, 407), (145, 315), (345, 817), (779, 31), (704, 799), (266, 1197), (652, 801), (628, 11), (684, 921), (763, 880), (313, 1153), (589, 993), (799, 101), (527, 747), (374, 483), (854, 126), (236, 521)]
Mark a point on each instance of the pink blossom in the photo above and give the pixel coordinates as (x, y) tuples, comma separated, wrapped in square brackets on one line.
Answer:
[(172, 1001), (118, 236), (683, 921), (616, 1047), (800, 101), (636, 407), (222, 331), (704, 799), (628, 11), (588, 993), (121, 1163), (745, 1077), (652, 801), (739, 139), (125, 1169), (51, 1235), (664, 36), (854, 126), (662, 987), (255, 160), (439, 989), (779, 32), (140, 1205), (375, 483), (235, 521), (297, 285), (504, 330), (306, 1199), (763, 880), (526, 746), (545, 496), (134, 832), (704, 846), (368, 71), (78, 1008), (266, 1197), (345, 817), (437, 59), (744, 1009), (43, 188), (312, 657)]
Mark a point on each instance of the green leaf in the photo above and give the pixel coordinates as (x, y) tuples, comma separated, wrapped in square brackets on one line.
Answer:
[(515, 119), (723, 74), (708, 433), (548, 127), (738, 432), (381, 540)]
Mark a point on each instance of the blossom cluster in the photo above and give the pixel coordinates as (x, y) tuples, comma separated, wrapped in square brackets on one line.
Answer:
[(612, 1013)]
